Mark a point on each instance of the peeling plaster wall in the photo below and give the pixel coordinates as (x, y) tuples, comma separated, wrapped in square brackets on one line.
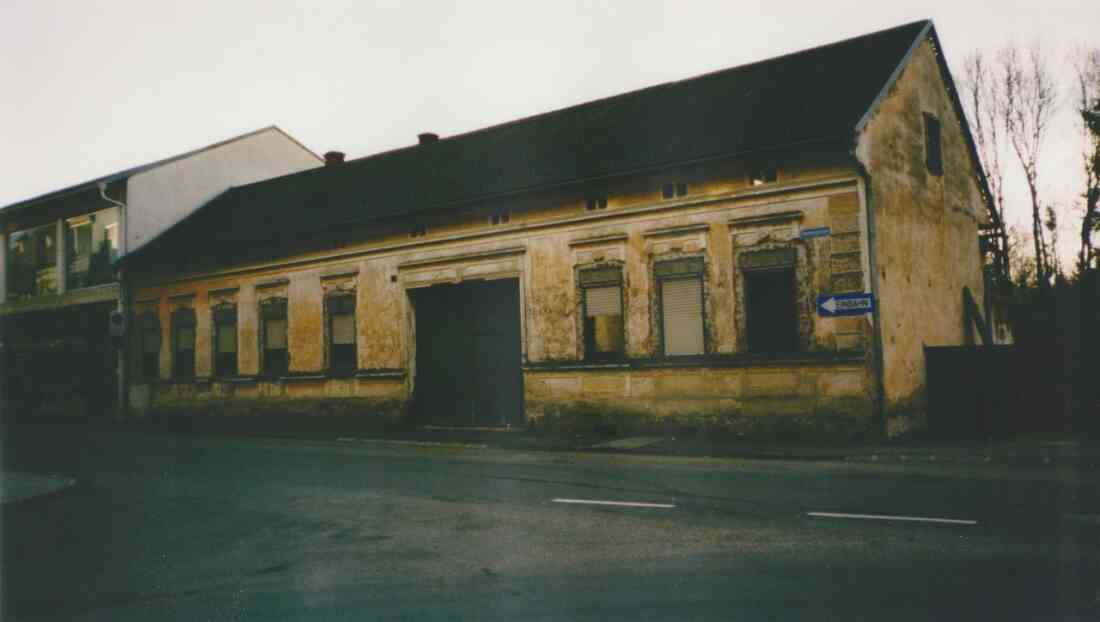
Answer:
[(549, 237), (926, 230)]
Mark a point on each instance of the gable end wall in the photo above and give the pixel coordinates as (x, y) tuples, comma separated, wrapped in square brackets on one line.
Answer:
[(925, 231)]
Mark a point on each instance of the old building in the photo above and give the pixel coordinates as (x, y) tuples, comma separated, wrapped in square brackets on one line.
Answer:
[(762, 247), (57, 280)]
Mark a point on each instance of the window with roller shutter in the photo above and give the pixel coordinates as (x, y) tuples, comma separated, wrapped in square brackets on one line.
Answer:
[(149, 327), (602, 291), (274, 317), (183, 337), (341, 332), (680, 295), (225, 341)]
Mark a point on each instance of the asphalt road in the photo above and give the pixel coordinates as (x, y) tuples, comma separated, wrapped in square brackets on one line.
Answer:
[(220, 528)]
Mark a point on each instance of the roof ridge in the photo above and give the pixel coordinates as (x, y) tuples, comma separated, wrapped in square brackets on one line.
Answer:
[(654, 87), (587, 104)]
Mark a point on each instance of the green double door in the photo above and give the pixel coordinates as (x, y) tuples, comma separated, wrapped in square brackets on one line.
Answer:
[(468, 354)]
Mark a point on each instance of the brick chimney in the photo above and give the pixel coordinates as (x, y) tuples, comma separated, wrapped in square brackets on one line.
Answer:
[(334, 158)]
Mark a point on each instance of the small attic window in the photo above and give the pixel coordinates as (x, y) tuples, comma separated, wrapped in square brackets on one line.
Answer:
[(767, 174), (595, 203), (500, 217), (669, 191), (933, 149)]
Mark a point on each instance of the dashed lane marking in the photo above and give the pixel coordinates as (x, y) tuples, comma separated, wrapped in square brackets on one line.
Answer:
[(912, 519), (627, 504)]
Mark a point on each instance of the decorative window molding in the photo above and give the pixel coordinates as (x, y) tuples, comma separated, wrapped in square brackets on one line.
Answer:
[(340, 283), (680, 295), (677, 239), (489, 264), (602, 315), (149, 340), (273, 343), (276, 288), (224, 320), (341, 334), (183, 343), (782, 266)]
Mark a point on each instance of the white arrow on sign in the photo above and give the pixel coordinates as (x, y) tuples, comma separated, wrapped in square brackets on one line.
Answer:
[(829, 305)]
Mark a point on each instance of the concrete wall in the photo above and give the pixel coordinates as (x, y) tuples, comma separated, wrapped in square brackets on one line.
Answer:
[(545, 241), (925, 231), (162, 196)]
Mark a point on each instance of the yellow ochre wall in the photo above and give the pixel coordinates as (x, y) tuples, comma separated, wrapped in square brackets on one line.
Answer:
[(925, 231), (828, 386)]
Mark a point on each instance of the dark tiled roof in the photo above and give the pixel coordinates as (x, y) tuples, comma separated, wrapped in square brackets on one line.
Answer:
[(805, 97)]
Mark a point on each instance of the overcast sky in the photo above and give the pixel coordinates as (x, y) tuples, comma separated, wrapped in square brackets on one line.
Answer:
[(94, 87)]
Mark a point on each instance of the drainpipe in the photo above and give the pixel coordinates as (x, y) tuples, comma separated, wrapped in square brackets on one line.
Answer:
[(123, 307), (872, 267)]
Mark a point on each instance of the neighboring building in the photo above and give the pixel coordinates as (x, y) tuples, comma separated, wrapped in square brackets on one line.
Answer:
[(57, 280), (663, 257)]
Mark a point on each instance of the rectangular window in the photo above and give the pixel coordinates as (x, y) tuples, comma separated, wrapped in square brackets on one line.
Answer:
[(32, 262), (149, 327), (680, 294), (183, 329), (225, 341), (933, 154), (110, 234), (669, 191), (604, 337), (341, 325), (274, 318), (761, 175), (771, 308)]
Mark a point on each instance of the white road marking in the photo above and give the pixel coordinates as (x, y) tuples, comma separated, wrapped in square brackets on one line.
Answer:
[(628, 504), (917, 519)]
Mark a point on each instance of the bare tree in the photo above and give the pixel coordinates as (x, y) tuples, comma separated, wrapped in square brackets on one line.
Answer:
[(983, 94), (1030, 97), (1086, 64)]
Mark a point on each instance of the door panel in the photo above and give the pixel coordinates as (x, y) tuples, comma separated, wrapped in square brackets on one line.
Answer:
[(468, 354)]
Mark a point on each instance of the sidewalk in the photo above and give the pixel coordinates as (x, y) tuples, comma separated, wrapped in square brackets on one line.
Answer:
[(1028, 452), (1031, 452), (18, 486)]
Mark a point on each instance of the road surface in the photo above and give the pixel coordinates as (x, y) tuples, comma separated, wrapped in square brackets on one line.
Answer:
[(223, 528)]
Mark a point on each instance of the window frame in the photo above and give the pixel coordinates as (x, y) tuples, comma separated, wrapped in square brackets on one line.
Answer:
[(933, 144), (795, 337), (274, 306), (338, 300), (772, 257), (763, 175), (149, 362), (680, 268), (218, 312), (182, 317), (594, 277)]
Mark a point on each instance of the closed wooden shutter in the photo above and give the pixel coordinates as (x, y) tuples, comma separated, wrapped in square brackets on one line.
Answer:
[(603, 301), (682, 316)]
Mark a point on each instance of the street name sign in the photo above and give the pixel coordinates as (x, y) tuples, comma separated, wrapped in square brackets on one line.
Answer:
[(816, 232), (831, 305)]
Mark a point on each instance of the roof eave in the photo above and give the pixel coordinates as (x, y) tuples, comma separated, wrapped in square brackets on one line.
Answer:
[(929, 30)]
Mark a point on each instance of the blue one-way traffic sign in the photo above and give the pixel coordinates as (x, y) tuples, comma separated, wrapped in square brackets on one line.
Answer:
[(830, 305)]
